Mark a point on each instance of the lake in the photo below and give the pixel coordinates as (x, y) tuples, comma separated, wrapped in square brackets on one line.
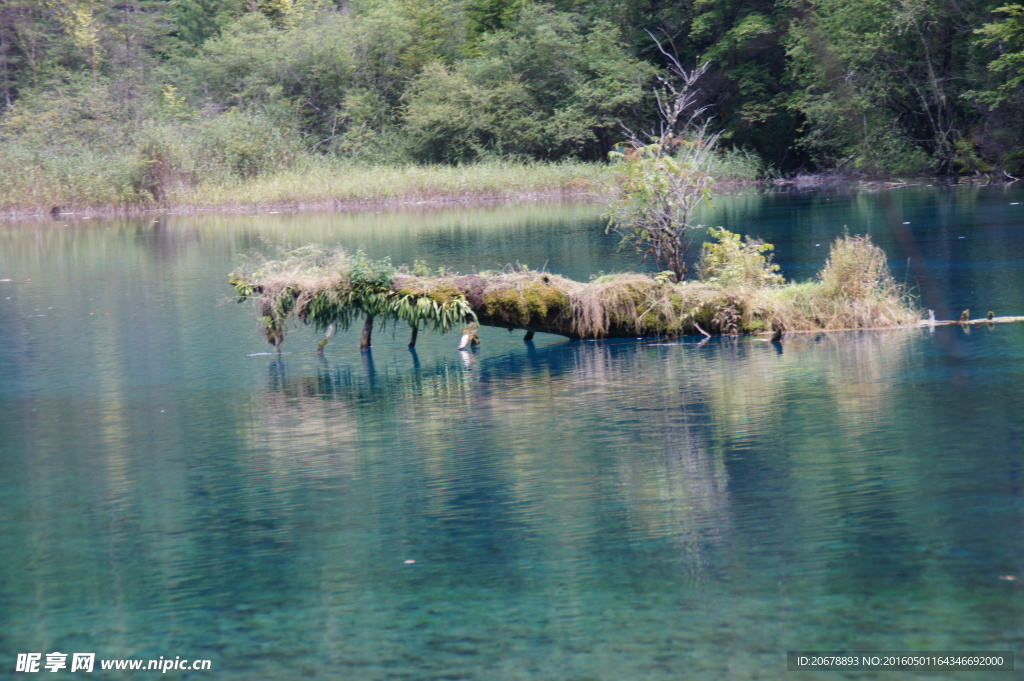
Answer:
[(550, 510)]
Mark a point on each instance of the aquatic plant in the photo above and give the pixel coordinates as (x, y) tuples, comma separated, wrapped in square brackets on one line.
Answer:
[(741, 292)]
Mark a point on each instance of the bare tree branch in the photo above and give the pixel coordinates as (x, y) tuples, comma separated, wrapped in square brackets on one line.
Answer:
[(667, 175)]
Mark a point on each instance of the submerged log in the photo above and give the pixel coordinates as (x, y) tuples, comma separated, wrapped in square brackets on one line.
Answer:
[(972, 322), (326, 290), (616, 306)]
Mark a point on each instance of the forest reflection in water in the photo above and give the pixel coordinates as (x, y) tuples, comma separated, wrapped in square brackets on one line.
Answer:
[(603, 510), (761, 496), (665, 425)]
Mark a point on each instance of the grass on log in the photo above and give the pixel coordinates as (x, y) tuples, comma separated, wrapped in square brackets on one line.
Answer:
[(326, 287)]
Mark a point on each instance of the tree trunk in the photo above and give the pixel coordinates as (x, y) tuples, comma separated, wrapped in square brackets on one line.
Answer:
[(366, 341)]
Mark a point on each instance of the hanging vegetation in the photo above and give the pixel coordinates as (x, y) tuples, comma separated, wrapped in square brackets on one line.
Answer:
[(740, 292), (329, 288)]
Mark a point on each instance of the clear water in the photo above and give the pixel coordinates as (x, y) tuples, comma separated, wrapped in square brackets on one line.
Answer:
[(619, 510)]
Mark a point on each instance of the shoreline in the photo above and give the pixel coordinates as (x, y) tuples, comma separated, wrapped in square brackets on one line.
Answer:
[(324, 187), (581, 190), (325, 205)]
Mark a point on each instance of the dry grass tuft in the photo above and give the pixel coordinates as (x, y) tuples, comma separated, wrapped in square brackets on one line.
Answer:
[(307, 268), (856, 268), (632, 301)]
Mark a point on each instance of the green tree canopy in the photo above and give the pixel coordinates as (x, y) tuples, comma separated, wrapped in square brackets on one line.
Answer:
[(551, 85)]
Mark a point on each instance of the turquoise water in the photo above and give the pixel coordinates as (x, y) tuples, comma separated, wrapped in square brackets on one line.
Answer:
[(555, 510)]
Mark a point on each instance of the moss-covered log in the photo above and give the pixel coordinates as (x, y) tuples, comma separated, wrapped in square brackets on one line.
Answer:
[(328, 289)]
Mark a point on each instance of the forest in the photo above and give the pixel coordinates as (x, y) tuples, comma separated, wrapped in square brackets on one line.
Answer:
[(131, 100)]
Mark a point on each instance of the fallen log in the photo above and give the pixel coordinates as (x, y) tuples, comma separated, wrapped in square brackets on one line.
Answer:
[(330, 290)]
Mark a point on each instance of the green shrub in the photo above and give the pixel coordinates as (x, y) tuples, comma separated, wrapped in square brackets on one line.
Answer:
[(248, 144), (734, 261)]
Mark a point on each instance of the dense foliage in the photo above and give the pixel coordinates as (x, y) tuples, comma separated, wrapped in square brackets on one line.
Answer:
[(145, 95)]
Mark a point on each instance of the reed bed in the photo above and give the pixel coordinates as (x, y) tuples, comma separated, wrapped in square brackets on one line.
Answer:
[(326, 182), (88, 180), (167, 173)]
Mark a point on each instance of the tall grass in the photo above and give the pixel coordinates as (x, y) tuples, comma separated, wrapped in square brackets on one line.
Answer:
[(319, 180), (736, 165), (854, 290), (225, 167), (37, 181), (247, 160)]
